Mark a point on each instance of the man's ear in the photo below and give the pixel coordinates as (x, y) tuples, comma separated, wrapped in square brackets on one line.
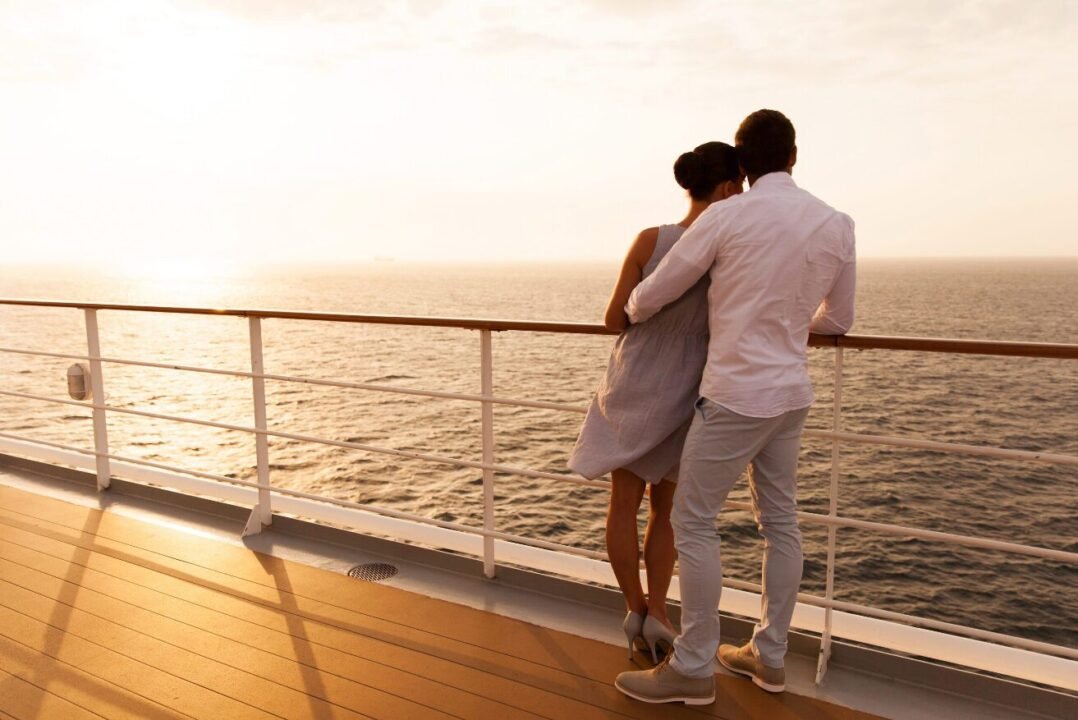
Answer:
[(793, 159)]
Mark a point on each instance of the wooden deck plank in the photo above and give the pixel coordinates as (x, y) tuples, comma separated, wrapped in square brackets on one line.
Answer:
[(255, 574), (321, 671), (490, 663), (349, 641), (330, 649), (77, 686), (249, 686), (26, 700), (270, 611), (618, 666), (101, 662)]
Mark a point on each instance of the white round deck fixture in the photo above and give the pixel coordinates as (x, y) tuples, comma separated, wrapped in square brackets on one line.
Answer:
[(78, 382)]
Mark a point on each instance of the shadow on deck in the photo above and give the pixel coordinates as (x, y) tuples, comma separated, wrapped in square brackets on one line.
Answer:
[(103, 615)]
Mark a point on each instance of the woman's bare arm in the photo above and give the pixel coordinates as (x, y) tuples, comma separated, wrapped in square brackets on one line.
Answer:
[(632, 270)]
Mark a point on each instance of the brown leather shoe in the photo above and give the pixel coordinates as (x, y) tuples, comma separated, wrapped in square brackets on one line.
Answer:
[(743, 661), (663, 684)]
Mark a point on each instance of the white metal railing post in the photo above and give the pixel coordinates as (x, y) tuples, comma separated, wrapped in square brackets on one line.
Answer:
[(97, 389), (262, 513), (832, 512), (486, 374)]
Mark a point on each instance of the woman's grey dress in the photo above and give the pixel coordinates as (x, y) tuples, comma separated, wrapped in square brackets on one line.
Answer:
[(640, 415)]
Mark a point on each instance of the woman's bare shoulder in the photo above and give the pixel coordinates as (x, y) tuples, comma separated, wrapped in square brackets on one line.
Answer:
[(651, 233), (644, 245)]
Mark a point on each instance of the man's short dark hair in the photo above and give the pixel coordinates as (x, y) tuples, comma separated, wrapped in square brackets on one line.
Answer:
[(764, 142)]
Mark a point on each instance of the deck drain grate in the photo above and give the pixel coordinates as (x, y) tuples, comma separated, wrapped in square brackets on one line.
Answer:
[(373, 572)]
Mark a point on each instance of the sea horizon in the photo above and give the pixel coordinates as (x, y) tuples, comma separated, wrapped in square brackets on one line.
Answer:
[(208, 265)]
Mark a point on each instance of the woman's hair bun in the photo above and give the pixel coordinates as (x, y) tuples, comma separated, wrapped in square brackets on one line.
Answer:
[(688, 169), (705, 168)]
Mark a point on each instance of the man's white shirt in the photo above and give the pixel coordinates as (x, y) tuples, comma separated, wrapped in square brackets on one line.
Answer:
[(782, 264)]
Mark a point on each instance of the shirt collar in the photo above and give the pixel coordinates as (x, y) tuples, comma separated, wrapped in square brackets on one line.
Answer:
[(774, 179)]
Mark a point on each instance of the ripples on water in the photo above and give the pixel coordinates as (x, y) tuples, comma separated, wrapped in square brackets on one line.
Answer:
[(1010, 402)]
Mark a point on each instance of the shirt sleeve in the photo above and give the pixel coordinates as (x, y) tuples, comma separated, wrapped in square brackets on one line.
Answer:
[(688, 261), (836, 312)]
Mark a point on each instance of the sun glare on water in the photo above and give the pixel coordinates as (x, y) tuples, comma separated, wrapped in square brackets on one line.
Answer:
[(178, 280), (170, 270)]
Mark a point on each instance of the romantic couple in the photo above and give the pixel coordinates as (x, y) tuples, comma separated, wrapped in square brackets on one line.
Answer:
[(709, 376)]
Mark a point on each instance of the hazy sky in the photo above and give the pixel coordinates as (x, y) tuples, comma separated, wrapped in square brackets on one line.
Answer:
[(216, 133)]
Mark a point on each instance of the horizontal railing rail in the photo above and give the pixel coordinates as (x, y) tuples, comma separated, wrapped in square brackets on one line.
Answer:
[(412, 455), (314, 381), (837, 437), (860, 342), (809, 518)]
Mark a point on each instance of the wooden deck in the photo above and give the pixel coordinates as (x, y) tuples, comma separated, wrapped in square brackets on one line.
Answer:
[(105, 616)]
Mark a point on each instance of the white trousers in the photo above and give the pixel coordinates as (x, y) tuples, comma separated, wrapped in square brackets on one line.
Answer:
[(720, 445)]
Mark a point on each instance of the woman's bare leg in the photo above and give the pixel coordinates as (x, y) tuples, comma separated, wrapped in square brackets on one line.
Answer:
[(622, 542), (659, 552)]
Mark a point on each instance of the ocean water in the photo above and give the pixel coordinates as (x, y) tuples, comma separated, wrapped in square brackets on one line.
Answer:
[(1027, 404)]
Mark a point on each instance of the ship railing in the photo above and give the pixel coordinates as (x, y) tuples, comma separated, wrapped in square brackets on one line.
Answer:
[(973, 647)]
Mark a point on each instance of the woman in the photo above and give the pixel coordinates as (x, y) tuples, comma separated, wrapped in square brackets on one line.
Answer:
[(638, 420)]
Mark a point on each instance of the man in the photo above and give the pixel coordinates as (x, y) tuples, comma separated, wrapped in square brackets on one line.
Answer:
[(781, 264)]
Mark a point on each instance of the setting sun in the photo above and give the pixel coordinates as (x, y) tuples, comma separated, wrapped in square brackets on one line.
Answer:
[(175, 270), (329, 132)]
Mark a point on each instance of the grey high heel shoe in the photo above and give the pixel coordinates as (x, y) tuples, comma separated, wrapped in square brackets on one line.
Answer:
[(633, 624), (654, 633)]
